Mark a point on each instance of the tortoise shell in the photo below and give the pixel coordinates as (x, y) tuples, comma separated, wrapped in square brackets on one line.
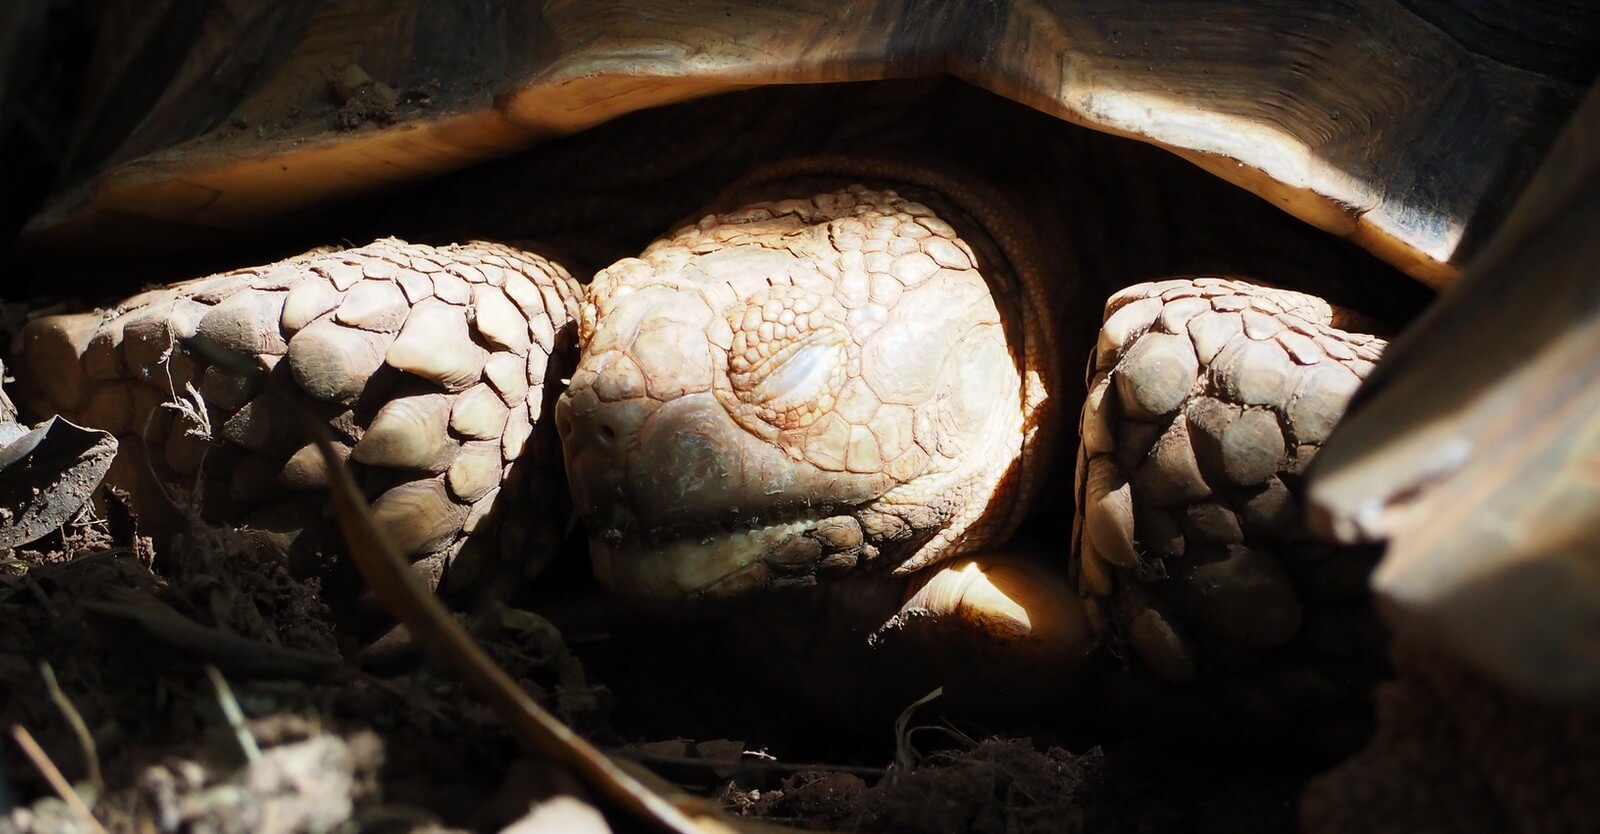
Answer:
[(1402, 126)]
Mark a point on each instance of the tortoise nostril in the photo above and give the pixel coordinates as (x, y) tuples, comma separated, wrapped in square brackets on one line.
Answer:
[(607, 430)]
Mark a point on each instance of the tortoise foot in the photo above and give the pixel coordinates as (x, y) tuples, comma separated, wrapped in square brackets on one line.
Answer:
[(1207, 399), (430, 365)]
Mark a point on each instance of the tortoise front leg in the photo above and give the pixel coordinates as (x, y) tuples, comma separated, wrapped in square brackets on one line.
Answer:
[(1207, 399), (431, 364)]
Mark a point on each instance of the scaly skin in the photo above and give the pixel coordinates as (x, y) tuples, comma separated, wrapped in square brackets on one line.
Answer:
[(1206, 400), (803, 387), (430, 364)]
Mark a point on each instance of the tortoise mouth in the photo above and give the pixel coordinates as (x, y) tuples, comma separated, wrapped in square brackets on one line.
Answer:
[(705, 568), (685, 507)]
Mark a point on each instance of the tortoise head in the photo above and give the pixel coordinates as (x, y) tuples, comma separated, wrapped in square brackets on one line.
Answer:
[(792, 390)]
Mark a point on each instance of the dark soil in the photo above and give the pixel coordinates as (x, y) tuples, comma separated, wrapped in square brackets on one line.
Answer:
[(129, 651)]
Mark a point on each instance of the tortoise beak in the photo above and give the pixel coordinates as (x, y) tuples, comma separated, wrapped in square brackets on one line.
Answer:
[(680, 500)]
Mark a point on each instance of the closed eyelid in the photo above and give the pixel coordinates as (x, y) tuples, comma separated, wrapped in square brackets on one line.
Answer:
[(788, 358), (798, 376)]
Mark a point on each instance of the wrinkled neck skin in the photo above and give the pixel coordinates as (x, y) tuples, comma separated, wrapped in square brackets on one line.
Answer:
[(839, 377)]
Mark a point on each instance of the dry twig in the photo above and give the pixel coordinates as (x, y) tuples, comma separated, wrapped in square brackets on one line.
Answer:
[(91, 754), (234, 714), (52, 774)]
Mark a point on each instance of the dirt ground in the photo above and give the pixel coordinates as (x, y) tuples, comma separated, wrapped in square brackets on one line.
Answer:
[(127, 680), (201, 688)]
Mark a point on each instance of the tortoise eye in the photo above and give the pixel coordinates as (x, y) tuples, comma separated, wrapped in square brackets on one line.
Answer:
[(788, 358)]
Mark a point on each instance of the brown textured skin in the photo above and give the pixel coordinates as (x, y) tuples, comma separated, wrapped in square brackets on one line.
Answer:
[(429, 363), (860, 378)]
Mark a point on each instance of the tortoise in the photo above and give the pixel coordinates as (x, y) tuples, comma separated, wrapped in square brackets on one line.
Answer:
[(767, 399)]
